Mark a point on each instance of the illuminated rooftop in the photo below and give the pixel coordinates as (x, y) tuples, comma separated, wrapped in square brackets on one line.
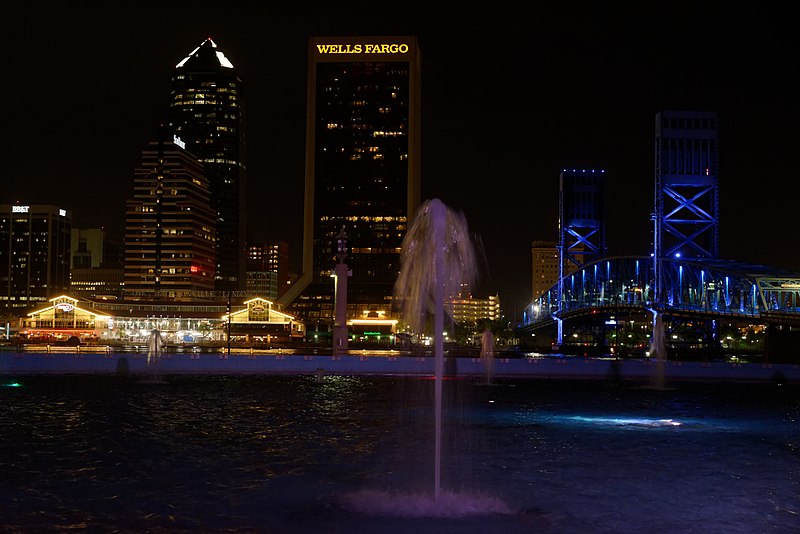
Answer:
[(207, 56)]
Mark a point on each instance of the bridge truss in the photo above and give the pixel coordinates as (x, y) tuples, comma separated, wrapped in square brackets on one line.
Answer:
[(709, 289)]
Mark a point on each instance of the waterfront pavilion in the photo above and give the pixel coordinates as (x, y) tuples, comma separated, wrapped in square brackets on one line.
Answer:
[(66, 319)]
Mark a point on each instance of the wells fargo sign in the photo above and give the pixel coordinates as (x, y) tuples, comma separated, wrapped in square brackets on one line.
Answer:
[(363, 48)]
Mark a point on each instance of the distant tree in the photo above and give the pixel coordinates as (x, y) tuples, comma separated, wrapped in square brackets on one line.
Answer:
[(463, 332)]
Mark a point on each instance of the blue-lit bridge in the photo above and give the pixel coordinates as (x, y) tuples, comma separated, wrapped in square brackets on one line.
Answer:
[(683, 291), (706, 291)]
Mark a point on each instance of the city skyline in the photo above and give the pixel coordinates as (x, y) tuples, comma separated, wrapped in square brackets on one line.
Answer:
[(507, 104)]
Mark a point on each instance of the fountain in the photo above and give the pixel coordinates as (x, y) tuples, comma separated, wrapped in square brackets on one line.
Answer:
[(438, 256), (154, 350), (658, 350), (487, 354), (302, 456)]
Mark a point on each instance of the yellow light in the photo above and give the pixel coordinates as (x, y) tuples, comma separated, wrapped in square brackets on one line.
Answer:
[(373, 321)]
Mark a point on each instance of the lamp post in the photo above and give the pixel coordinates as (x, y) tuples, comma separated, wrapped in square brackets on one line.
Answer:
[(341, 272), (229, 324)]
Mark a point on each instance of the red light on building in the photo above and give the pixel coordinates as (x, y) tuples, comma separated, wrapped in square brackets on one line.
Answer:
[(195, 269)]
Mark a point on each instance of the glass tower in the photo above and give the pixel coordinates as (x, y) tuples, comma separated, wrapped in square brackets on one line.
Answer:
[(207, 115), (362, 169)]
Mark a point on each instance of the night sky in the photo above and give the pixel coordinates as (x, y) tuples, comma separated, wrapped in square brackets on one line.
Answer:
[(509, 99)]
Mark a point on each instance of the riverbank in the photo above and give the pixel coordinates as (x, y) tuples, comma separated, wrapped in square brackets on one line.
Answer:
[(389, 363)]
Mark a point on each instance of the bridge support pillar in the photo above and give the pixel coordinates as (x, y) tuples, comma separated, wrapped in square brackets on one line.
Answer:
[(560, 332)]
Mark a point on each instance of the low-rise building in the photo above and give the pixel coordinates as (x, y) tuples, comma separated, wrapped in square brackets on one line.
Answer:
[(68, 319)]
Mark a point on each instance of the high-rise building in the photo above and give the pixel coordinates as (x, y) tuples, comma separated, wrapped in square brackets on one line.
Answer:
[(169, 227), (268, 269), (544, 266), (464, 308), (362, 169), (207, 113), (686, 184), (93, 248), (34, 255), (96, 264)]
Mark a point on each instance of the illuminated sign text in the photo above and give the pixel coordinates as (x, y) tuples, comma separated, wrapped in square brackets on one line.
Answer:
[(178, 141), (365, 48), (20, 209)]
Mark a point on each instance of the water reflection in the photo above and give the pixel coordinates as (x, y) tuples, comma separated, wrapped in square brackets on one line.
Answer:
[(352, 454)]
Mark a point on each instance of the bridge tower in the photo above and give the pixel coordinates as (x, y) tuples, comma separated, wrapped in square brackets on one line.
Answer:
[(686, 208), (581, 225), (686, 211)]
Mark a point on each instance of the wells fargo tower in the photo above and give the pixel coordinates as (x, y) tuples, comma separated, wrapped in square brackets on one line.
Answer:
[(362, 169), (207, 113)]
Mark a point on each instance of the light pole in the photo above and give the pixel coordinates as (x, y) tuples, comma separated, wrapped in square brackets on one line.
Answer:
[(341, 272), (229, 324)]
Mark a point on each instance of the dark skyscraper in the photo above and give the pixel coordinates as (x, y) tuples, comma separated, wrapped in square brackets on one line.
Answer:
[(362, 169), (207, 113)]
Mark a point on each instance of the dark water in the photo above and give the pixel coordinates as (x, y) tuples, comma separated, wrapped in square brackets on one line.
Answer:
[(296, 454)]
